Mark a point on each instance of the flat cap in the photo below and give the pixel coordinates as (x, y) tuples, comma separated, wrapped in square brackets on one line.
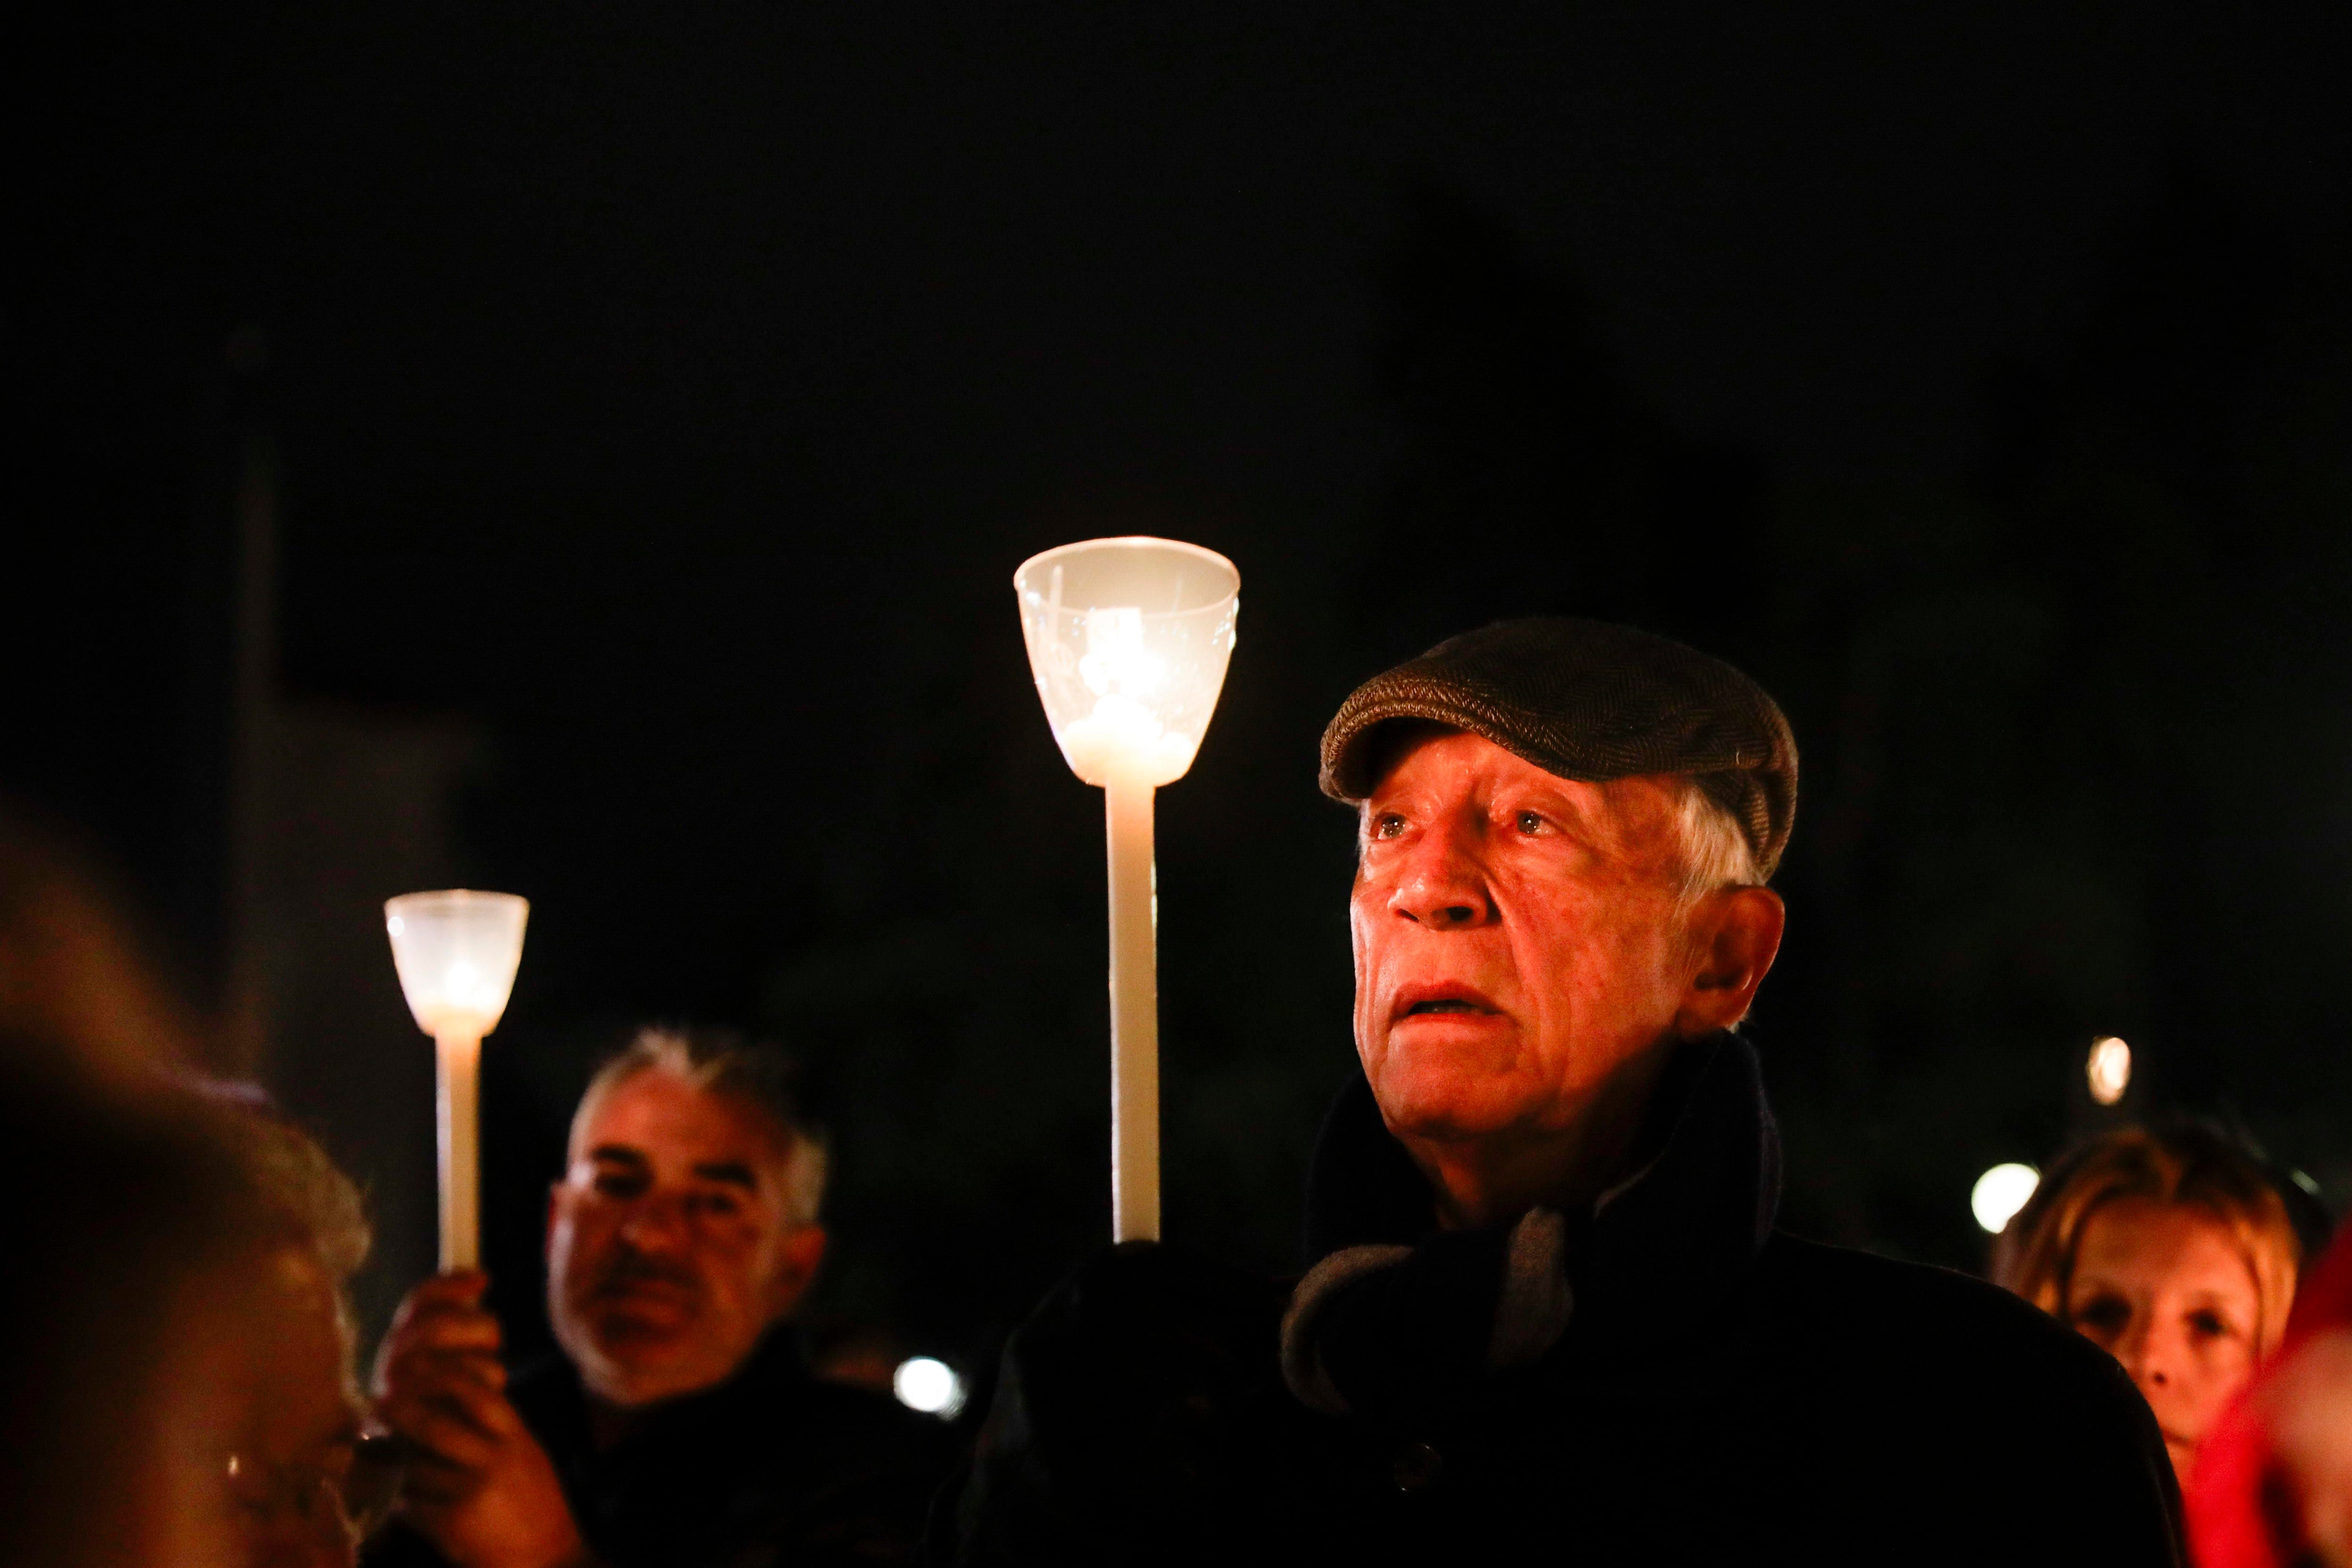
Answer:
[(1589, 700)]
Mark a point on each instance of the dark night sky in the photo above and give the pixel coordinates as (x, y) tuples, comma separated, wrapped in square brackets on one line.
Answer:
[(671, 390), (964, 259)]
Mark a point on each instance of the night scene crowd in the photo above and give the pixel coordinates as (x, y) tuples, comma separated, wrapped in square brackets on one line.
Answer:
[(1544, 1313)]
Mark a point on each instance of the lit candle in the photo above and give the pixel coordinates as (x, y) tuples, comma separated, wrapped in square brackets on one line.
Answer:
[(456, 953), (1128, 639)]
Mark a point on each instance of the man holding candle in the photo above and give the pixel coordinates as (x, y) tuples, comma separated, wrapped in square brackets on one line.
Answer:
[(679, 1427), (1547, 1310)]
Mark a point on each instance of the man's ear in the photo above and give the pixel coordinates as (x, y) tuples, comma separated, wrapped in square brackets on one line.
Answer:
[(1739, 935), (797, 1258)]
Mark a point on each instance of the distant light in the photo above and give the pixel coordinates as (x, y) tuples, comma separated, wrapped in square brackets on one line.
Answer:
[(2109, 1069), (2000, 1192), (931, 1386), (2303, 1179)]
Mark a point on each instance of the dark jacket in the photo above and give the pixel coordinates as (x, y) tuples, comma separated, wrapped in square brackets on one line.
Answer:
[(1704, 1388), (771, 1466)]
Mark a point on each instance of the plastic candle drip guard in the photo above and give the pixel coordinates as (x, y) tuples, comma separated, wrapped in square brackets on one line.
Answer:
[(1128, 640), (456, 953)]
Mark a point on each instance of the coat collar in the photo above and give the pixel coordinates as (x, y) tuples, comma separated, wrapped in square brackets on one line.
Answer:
[(555, 1404), (1659, 1255)]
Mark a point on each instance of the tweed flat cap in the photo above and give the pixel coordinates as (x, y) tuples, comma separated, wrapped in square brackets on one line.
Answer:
[(1589, 700)]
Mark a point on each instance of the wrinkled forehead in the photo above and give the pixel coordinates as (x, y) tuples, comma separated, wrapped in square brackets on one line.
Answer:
[(1635, 815), (672, 1122)]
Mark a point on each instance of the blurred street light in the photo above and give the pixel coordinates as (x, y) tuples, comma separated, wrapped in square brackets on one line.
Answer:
[(2000, 1193), (2109, 1069), (931, 1387)]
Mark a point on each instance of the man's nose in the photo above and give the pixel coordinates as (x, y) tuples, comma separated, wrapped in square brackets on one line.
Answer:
[(655, 1223), (1442, 883)]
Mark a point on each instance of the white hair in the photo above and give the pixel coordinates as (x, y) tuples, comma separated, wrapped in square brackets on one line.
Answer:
[(748, 1072), (1714, 847)]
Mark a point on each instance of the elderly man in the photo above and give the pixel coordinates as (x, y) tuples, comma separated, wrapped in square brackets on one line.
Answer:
[(679, 1427), (1548, 1316)]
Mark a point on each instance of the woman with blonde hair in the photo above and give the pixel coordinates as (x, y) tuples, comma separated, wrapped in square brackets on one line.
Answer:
[(2173, 1249)]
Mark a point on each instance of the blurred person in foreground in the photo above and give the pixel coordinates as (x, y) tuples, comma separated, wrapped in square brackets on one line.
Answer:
[(2272, 1487), (1547, 1315), (2170, 1248), (302, 1492), (123, 1338), (174, 1367), (679, 1426)]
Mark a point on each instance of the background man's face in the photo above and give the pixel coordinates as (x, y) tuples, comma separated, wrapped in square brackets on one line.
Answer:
[(1517, 938), (669, 1250)]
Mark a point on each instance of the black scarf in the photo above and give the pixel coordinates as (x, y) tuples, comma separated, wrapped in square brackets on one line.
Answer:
[(1396, 1316)]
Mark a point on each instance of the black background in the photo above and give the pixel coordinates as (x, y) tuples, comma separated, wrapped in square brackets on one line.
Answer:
[(668, 393)]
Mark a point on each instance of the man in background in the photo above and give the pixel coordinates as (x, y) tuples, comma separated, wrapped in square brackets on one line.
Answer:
[(680, 1426)]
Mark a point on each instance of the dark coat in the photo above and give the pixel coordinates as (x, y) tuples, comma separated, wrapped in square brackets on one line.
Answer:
[(770, 1467), (1722, 1391)]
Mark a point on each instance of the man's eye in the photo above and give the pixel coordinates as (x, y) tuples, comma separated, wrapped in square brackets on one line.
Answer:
[(2207, 1324), (613, 1184), (1529, 822), (1387, 825), (721, 1205)]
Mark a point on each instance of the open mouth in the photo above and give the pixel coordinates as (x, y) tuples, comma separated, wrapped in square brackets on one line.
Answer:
[(1441, 1001)]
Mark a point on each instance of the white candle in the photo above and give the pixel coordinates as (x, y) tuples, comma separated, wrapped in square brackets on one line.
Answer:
[(1134, 1008), (457, 1105), (456, 953), (1128, 640)]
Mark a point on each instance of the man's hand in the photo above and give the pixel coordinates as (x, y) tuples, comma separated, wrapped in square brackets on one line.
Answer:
[(477, 1484)]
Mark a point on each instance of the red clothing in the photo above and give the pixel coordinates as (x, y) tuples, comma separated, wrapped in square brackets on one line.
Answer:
[(2234, 1503)]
